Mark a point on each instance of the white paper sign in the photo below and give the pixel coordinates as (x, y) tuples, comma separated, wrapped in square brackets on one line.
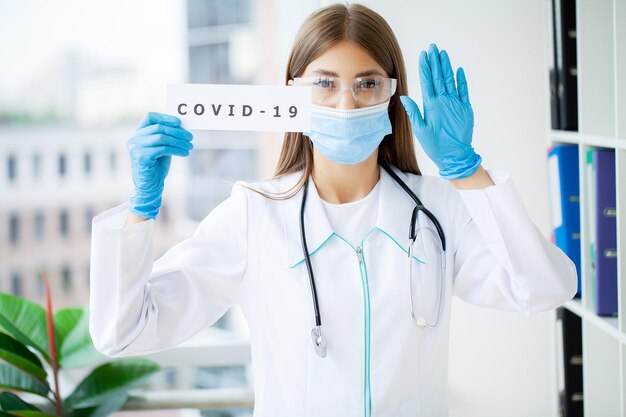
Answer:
[(267, 108)]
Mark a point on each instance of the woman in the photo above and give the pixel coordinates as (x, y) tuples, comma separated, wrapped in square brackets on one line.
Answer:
[(335, 333)]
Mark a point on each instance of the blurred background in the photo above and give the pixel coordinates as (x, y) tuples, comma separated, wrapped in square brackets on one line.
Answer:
[(78, 76)]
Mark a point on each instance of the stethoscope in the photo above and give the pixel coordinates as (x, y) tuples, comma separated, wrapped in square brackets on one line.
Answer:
[(319, 341)]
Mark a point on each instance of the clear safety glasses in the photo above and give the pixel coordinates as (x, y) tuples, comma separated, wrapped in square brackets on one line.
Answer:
[(426, 277), (366, 91)]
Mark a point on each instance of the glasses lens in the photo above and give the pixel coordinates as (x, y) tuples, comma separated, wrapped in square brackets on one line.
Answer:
[(369, 91), (323, 90), (427, 277), (366, 91)]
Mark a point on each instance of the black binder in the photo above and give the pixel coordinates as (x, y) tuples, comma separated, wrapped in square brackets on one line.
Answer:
[(564, 79), (551, 59), (571, 396)]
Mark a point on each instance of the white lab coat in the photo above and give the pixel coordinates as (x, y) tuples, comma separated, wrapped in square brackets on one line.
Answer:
[(247, 250)]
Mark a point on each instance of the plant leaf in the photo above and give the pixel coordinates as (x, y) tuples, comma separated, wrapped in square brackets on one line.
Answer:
[(29, 413), (19, 356), (25, 321), (76, 345), (102, 410), (10, 401), (65, 320), (13, 378), (110, 380)]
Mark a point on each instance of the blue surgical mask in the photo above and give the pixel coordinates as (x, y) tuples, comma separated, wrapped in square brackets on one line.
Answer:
[(349, 136)]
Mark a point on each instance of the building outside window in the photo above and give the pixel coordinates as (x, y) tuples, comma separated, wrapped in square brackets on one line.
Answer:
[(38, 225), (39, 284), (87, 163), (36, 165), (209, 63), (210, 168), (16, 283), (202, 13), (66, 278), (215, 29), (89, 215), (12, 168), (14, 229), (64, 223), (62, 165), (112, 161)]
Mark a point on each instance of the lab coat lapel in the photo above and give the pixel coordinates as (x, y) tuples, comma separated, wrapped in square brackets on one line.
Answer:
[(394, 214), (316, 224), (395, 207)]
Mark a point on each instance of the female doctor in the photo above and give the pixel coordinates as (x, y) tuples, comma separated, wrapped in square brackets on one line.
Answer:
[(344, 263)]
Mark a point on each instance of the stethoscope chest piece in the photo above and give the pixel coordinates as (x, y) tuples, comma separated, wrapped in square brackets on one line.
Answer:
[(318, 341)]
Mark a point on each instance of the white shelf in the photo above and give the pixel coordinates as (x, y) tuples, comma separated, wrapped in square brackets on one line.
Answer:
[(562, 136), (609, 325), (601, 73)]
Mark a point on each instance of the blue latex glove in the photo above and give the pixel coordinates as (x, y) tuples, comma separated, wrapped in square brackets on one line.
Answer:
[(157, 137), (445, 131)]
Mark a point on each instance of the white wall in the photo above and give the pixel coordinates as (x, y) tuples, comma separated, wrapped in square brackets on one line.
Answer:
[(500, 362)]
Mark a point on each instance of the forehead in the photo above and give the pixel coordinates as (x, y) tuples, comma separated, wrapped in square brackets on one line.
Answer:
[(346, 59)]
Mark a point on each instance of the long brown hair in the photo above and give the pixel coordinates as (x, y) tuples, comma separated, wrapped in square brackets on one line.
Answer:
[(320, 31)]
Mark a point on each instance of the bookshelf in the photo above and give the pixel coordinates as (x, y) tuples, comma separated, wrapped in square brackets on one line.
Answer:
[(601, 105)]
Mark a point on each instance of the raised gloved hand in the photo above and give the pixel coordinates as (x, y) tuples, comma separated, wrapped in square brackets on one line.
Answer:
[(157, 138), (445, 131)]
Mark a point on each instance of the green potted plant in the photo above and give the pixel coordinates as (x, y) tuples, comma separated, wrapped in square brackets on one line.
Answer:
[(30, 334)]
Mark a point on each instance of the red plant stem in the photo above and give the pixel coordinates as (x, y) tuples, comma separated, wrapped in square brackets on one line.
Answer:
[(52, 346)]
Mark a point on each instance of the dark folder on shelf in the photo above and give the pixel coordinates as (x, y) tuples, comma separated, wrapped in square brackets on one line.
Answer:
[(565, 201), (565, 77), (551, 60), (569, 336), (606, 232)]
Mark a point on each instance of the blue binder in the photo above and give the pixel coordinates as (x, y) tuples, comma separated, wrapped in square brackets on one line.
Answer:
[(564, 189), (606, 233)]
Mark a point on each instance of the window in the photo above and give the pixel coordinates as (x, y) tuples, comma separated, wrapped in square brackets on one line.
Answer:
[(66, 278), (62, 165), (209, 63), (209, 168), (112, 161), (64, 226), (38, 223), (202, 13), (87, 163), (14, 229), (12, 168), (89, 215), (170, 378), (36, 165), (16, 283), (40, 285), (163, 213)]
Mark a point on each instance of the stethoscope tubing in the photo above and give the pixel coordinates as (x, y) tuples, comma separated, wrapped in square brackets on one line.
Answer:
[(318, 318), (316, 333)]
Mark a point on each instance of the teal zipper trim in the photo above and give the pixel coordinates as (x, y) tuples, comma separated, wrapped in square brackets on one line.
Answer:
[(369, 386), (367, 394), (366, 326), (367, 287), (367, 390), (335, 234)]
